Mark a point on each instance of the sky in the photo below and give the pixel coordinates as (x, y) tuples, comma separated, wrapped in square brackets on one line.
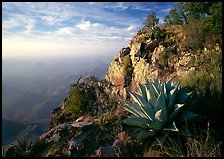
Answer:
[(73, 29)]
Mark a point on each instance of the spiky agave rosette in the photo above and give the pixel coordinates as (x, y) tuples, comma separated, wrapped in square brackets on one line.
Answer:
[(159, 107)]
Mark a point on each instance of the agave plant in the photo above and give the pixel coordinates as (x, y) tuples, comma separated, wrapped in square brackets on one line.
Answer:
[(158, 107)]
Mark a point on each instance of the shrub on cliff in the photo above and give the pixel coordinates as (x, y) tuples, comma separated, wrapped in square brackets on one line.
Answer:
[(77, 101), (208, 91), (127, 66), (151, 20)]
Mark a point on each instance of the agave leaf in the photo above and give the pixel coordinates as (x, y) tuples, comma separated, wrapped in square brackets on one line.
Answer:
[(142, 89), (161, 115), (134, 110), (151, 94), (146, 107), (152, 89), (178, 108), (171, 127), (148, 94), (161, 102), (150, 97), (140, 110), (143, 134), (169, 86), (171, 96), (131, 110), (183, 97), (156, 83), (164, 91), (156, 125), (153, 103), (156, 90), (137, 100), (185, 132), (133, 95), (186, 115), (160, 140), (139, 122), (175, 84)]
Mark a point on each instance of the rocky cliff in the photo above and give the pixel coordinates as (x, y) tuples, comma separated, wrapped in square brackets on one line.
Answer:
[(150, 57)]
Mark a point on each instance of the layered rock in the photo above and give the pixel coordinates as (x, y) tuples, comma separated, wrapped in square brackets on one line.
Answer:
[(148, 58)]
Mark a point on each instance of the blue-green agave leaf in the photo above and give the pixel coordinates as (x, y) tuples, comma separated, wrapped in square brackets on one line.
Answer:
[(145, 106), (132, 108), (152, 97), (157, 125), (172, 96), (160, 140), (148, 94), (143, 134), (133, 95), (140, 110), (161, 115), (186, 115), (171, 127), (164, 91), (139, 122), (169, 86), (161, 102), (142, 89), (152, 89), (183, 97), (178, 108), (185, 132), (156, 82)]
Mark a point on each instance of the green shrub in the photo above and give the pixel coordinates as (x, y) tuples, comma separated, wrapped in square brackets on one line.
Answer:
[(210, 59), (155, 33), (208, 91), (194, 34), (127, 66), (77, 102)]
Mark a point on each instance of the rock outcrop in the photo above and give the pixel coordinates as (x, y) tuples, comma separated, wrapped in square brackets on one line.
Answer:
[(150, 58)]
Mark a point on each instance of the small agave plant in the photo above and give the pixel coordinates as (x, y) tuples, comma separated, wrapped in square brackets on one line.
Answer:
[(159, 107)]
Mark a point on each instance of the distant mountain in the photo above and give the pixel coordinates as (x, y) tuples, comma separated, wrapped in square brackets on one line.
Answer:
[(13, 130), (30, 98)]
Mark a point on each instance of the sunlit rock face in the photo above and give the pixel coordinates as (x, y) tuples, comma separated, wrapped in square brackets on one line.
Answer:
[(148, 62)]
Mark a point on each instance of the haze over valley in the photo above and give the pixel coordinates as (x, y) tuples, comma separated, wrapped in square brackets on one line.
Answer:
[(32, 88)]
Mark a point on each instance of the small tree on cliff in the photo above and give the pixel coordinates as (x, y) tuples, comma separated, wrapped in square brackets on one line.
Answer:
[(151, 20)]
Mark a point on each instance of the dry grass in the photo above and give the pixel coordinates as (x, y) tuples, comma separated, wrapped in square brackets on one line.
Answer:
[(203, 146)]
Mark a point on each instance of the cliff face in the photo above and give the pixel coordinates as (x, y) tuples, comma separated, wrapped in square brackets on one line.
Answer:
[(161, 57)]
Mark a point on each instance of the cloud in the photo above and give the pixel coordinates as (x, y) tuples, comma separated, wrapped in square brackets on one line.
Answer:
[(30, 25), (84, 25), (10, 23), (117, 5), (70, 25), (166, 10), (51, 20), (64, 31), (130, 28)]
